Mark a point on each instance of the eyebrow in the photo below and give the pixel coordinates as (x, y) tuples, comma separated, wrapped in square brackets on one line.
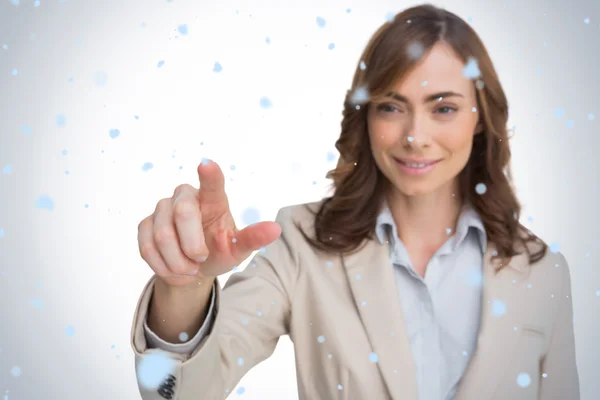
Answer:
[(429, 98)]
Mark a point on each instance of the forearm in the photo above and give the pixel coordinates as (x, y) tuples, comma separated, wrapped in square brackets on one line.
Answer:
[(176, 310)]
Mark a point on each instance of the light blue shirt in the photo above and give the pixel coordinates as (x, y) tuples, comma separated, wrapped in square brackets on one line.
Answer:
[(441, 310)]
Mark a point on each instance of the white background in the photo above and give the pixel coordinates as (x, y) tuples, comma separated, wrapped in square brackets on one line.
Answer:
[(95, 62)]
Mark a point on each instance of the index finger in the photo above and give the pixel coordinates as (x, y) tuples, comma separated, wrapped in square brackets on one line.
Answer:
[(212, 182)]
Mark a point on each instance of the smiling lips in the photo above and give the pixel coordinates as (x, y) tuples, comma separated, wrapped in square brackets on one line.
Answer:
[(412, 166)]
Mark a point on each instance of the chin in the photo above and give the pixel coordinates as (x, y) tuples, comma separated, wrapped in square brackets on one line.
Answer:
[(414, 190)]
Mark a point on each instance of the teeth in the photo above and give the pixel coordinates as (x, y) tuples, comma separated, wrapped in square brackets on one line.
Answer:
[(414, 165)]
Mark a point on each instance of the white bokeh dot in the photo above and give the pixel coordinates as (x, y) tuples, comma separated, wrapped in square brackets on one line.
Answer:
[(523, 380), (480, 188)]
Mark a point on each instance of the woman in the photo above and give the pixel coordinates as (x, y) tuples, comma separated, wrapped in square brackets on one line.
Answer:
[(415, 280)]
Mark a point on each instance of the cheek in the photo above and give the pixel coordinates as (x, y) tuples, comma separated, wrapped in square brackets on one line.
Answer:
[(383, 141), (456, 141), (383, 135)]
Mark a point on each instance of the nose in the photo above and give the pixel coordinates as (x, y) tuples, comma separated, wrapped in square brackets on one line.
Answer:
[(416, 133)]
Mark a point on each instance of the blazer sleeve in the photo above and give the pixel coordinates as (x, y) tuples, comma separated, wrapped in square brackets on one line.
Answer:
[(154, 341), (560, 366), (251, 312)]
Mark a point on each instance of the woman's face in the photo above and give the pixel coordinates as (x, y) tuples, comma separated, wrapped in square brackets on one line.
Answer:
[(421, 134)]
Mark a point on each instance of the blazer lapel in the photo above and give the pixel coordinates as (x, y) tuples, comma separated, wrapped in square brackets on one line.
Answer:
[(372, 282), (497, 335)]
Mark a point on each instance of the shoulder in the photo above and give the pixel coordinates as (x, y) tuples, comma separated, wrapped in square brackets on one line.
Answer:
[(547, 290), (298, 215), (551, 271), (297, 222)]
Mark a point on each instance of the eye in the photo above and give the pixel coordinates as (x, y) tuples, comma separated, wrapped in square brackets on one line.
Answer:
[(445, 110), (387, 108)]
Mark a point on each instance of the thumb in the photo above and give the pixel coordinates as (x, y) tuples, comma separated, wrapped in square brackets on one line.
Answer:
[(253, 237), (212, 183)]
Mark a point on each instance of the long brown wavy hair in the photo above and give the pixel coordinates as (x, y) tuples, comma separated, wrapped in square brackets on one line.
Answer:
[(348, 217)]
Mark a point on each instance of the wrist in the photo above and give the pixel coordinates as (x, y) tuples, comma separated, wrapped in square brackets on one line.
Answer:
[(197, 286)]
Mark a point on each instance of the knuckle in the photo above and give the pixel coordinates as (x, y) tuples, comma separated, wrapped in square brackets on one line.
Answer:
[(184, 187), (143, 225), (163, 203), (184, 209), (164, 236), (147, 251)]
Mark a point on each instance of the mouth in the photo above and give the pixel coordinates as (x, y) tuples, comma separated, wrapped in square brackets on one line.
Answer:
[(417, 164), (416, 167)]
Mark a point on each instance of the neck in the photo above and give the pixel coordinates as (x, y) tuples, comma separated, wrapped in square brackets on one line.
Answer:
[(422, 221)]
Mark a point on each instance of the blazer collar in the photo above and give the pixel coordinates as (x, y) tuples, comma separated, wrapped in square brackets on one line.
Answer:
[(371, 279)]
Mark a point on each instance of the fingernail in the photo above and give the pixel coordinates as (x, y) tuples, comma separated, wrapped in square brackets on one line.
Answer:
[(205, 161), (201, 259), (194, 272)]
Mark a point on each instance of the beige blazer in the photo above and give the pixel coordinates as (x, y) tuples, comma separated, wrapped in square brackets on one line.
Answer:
[(336, 320)]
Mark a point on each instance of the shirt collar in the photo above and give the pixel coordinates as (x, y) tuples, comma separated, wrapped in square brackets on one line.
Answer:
[(468, 218)]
